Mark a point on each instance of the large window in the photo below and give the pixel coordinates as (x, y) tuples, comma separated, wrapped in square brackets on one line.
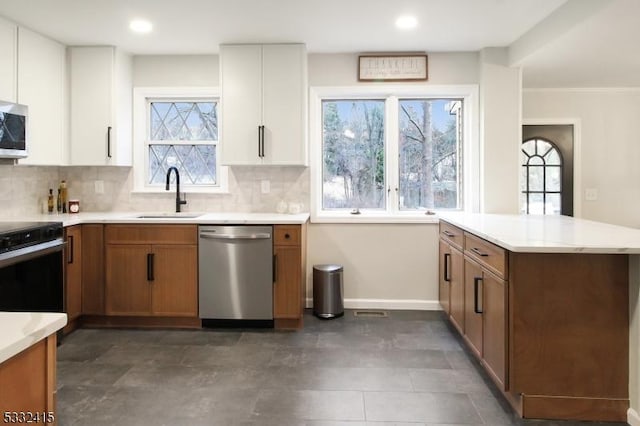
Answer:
[(391, 155), (177, 128), (541, 177)]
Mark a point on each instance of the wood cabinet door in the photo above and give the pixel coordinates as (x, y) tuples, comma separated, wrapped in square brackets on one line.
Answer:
[(174, 288), (287, 288), (473, 305), (445, 277), (456, 288), (93, 269), (73, 272), (495, 326), (128, 291)]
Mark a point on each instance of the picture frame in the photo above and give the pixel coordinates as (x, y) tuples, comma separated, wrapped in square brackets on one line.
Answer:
[(393, 67)]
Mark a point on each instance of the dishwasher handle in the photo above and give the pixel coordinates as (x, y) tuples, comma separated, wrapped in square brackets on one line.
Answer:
[(256, 236)]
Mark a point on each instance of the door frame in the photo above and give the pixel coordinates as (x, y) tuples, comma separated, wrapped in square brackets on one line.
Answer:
[(577, 155)]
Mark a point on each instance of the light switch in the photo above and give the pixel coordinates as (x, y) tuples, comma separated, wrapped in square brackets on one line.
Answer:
[(265, 186), (591, 194)]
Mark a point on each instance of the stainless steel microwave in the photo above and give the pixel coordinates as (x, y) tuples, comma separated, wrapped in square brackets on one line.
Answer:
[(13, 130)]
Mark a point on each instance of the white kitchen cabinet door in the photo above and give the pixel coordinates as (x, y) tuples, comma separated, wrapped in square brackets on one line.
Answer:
[(42, 87), (100, 105), (9, 49), (263, 86), (284, 71), (241, 102)]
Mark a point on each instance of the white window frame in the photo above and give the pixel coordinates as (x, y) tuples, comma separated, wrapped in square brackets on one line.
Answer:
[(392, 93), (141, 97)]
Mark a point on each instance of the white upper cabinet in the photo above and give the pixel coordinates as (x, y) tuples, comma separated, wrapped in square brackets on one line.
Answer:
[(8, 47), (264, 104), (42, 87), (100, 105)]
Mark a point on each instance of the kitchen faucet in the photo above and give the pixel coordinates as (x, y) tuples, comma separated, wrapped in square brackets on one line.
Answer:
[(179, 202)]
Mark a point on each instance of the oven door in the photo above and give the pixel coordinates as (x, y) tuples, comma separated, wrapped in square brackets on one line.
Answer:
[(31, 278)]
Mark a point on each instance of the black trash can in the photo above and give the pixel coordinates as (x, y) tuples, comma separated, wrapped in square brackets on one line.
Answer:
[(328, 291)]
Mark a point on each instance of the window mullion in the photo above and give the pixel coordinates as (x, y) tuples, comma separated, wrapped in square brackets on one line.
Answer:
[(392, 153)]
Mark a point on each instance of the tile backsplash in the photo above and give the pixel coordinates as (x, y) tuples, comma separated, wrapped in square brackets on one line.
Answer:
[(24, 190)]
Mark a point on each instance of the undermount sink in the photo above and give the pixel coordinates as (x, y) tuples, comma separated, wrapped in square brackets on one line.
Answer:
[(169, 216)]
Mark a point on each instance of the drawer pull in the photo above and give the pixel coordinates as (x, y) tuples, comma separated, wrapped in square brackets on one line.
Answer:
[(476, 284), (478, 252), (449, 234), (447, 259), (287, 236)]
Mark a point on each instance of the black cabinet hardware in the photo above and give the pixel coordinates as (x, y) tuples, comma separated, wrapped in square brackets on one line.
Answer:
[(447, 259), (476, 284), (478, 252), (150, 259)]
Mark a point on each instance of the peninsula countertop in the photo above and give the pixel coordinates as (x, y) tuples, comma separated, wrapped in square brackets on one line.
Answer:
[(548, 234), (21, 330)]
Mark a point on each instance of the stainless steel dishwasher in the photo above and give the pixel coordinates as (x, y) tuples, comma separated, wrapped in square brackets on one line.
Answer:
[(235, 275)]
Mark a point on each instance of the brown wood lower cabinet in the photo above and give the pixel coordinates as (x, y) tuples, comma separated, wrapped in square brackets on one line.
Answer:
[(551, 329), (28, 383), (289, 285), (73, 273), (151, 270), (93, 269)]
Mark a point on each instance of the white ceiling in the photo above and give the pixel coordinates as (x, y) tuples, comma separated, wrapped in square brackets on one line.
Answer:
[(596, 49)]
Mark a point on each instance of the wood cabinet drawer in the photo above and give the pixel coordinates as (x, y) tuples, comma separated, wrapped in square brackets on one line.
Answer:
[(151, 234), (286, 235), (452, 234), (489, 255)]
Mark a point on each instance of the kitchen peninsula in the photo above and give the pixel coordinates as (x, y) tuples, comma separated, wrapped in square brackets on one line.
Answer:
[(543, 302), (28, 366)]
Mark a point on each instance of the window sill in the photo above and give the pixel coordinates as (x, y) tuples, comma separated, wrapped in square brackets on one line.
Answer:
[(374, 218)]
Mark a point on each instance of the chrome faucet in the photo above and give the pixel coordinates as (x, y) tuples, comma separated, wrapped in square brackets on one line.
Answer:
[(179, 202)]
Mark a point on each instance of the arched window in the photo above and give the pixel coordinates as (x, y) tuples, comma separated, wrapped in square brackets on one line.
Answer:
[(541, 182)]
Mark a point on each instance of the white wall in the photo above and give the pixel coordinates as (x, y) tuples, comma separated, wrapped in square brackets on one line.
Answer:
[(500, 132), (390, 265), (609, 146), (176, 70)]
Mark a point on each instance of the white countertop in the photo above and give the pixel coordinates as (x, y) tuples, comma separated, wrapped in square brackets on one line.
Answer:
[(20, 330), (201, 219), (548, 234)]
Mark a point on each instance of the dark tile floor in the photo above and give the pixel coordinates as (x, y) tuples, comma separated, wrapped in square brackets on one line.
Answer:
[(407, 369)]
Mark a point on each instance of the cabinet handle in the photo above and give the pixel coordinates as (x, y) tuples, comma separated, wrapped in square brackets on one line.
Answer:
[(447, 259), (287, 236), (478, 252), (448, 234), (262, 141), (150, 258), (109, 141), (70, 248), (259, 142), (275, 268), (476, 284)]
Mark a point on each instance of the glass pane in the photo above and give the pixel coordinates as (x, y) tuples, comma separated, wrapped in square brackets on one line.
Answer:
[(553, 179), (523, 179), (523, 203), (542, 147), (536, 178), (183, 121), (536, 204), (196, 163), (553, 157), (553, 204), (529, 147), (429, 132), (536, 160), (353, 154)]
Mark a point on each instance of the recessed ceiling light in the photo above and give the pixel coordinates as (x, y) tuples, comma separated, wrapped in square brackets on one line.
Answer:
[(140, 26), (406, 22)]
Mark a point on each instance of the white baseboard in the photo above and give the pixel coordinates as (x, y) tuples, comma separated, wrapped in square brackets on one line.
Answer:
[(632, 417), (398, 304)]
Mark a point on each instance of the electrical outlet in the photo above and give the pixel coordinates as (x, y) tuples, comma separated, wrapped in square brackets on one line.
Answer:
[(265, 186), (98, 186), (591, 194)]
